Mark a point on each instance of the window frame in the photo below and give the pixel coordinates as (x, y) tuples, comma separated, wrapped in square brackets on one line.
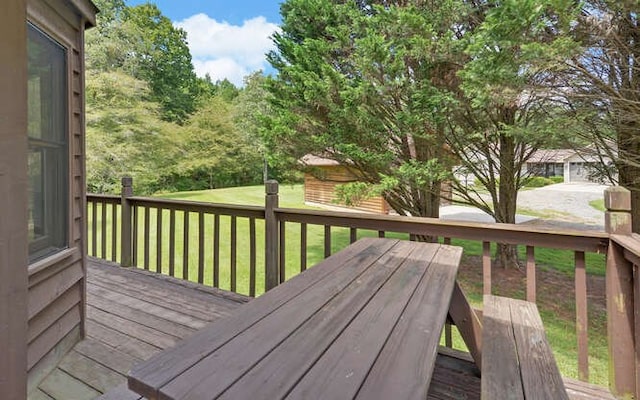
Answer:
[(41, 248)]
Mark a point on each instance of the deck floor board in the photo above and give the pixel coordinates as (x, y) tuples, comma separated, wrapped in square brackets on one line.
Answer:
[(131, 315), (145, 306)]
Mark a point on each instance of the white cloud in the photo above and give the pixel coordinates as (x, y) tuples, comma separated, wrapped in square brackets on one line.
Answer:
[(228, 51)]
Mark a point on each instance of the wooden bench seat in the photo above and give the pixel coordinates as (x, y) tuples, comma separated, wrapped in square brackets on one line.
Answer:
[(120, 393), (517, 362)]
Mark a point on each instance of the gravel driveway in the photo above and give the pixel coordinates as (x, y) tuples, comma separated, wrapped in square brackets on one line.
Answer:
[(568, 202), (563, 205)]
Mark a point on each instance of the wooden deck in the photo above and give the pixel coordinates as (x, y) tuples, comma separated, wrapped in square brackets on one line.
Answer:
[(133, 314)]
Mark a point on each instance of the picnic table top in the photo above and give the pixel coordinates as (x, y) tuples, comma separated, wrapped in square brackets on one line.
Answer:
[(364, 323)]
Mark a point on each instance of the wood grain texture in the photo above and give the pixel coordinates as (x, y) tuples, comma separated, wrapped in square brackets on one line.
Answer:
[(371, 325), (359, 318), (517, 360), (405, 364), (467, 322), (46, 341), (120, 393), (93, 374), (106, 355), (277, 321), (163, 368), (500, 365), (61, 385), (540, 375), (46, 292), (120, 326), (454, 377)]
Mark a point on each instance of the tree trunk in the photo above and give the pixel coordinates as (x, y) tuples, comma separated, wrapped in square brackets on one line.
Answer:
[(505, 208), (628, 162), (630, 179)]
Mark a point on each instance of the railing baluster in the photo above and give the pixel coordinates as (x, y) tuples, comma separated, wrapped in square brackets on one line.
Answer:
[(114, 232), (281, 251), (146, 236), (185, 248), (234, 249), (327, 241), (201, 247), (216, 250), (94, 229), (252, 257), (448, 336), (134, 235), (531, 274), (486, 267), (159, 240), (172, 242), (581, 316), (103, 230), (353, 235), (303, 247)]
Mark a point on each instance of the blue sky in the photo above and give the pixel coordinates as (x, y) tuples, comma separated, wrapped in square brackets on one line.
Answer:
[(227, 38)]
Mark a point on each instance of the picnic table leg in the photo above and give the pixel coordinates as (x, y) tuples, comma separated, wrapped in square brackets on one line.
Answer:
[(467, 323)]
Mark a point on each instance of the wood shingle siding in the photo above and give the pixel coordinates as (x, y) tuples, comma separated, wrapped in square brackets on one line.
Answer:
[(56, 285)]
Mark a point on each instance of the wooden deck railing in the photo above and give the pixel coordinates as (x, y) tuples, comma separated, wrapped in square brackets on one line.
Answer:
[(154, 228)]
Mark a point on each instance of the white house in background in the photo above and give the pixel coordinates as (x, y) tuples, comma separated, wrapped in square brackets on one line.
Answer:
[(572, 165)]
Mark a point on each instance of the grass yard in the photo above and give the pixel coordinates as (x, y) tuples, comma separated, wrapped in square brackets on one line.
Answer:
[(555, 268), (598, 204)]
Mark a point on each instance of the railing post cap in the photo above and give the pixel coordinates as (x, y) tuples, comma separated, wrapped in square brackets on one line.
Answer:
[(127, 181), (271, 186), (617, 198)]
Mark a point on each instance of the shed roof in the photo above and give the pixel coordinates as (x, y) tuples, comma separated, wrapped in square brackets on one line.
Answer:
[(316, 161)]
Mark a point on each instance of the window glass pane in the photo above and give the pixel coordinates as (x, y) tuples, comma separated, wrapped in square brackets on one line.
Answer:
[(48, 148)]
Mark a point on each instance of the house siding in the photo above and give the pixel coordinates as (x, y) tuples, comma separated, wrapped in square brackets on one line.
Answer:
[(13, 200), (56, 285)]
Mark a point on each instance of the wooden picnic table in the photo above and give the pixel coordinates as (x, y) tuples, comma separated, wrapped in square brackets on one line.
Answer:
[(364, 323)]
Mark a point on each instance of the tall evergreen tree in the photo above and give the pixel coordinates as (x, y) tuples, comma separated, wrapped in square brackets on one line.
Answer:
[(354, 84)]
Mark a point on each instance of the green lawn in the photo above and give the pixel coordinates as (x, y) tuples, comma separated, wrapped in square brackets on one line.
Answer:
[(598, 204), (561, 330)]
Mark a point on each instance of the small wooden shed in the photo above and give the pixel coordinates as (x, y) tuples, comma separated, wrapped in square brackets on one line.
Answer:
[(42, 185), (321, 181)]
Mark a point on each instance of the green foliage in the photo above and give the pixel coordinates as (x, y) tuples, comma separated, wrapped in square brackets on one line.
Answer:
[(500, 115), (214, 153), (354, 193), (537, 181), (143, 43), (355, 84), (149, 117), (125, 134)]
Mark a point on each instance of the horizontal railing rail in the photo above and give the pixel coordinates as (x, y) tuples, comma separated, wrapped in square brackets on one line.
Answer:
[(198, 207), (190, 240), (588, 241)]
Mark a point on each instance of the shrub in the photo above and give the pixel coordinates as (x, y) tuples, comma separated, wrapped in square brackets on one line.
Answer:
[(557, 179), (538, 181)]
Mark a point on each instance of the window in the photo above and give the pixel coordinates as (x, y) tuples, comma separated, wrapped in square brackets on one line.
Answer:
[(48, 145)]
